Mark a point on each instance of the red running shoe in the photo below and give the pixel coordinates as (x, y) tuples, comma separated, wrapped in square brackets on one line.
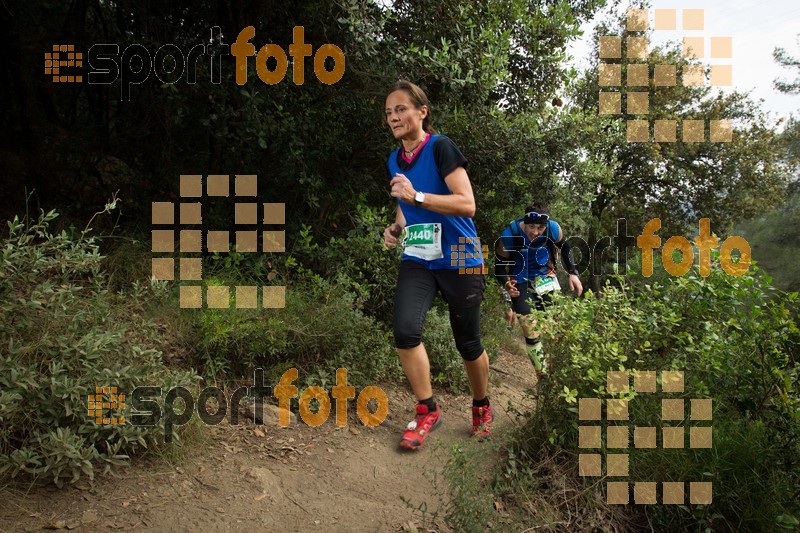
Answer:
[(418, 429), (482, 421)]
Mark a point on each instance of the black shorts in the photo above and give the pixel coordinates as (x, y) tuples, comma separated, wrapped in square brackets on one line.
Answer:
[(417, 287), (528, 299)]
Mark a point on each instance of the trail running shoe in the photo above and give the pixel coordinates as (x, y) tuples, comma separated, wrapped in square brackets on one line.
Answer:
[(482, 421), (418, 429)]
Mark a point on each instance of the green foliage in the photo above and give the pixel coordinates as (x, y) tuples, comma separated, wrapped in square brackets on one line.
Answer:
[(321, 329), (63, 333), (774, 239), (737, 340), (786, 60), (470, 507)]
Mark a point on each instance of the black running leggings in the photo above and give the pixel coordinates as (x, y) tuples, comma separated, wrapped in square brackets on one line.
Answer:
[(416, 289)]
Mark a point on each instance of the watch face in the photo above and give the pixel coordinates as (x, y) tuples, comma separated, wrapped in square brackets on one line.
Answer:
[(419, 197)]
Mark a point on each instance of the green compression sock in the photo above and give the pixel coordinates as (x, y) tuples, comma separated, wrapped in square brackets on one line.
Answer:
[(535, 353)]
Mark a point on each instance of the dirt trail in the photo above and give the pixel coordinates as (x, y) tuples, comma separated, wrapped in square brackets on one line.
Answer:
[(290, 479)]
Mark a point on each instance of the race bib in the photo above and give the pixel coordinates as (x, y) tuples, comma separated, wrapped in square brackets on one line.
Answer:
[(545, 284), (423, 241)]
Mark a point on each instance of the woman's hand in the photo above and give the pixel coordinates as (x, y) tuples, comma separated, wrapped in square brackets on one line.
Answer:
[(402, 189), (391, 235)]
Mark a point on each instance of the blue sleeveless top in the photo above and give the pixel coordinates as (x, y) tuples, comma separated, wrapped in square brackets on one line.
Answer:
[(460, 247)]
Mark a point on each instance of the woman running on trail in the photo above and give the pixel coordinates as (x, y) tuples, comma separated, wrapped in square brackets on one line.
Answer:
[(434, 213)]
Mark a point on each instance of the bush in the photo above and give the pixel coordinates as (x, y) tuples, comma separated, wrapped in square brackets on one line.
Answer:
[(736, 339), (63, 333), (321, 329)]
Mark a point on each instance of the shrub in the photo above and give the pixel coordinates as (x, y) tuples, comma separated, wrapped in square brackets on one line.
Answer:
[(63, 333), (736, 339), (321, 329)]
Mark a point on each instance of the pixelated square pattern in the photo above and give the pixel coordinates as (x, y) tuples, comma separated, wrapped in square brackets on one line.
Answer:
[(700, 493), (191, 296), (54, 61), (644, 437), (101, 405), (693, 19), (644, 381), (246, 185), (673, 493), (617, 492), (617, 465), (589, 408), (638, 75), (721, 47), (616, 409), (163, 268), (638, 131), (610, 103), (246, 297), (467, 248), (191, 186), (610, 75), (665, 131), (191, 268), (701, 437), (672, 409), (274, 213), (274, 297), (617, 381), (721, 75), (693, 47), (610, 47), (672, 381), (218, 185), (246, 241), (218, 297), (666, 19), (617, 436), (191, 213), (191, 241), (589, 464), (644, 493), (694, 131), (721, 131), (637, 20), (635, 47), (589, 437), (671, 437), (664, 75), (246, 213), (638, 103), (163, 240), (700, 409)]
